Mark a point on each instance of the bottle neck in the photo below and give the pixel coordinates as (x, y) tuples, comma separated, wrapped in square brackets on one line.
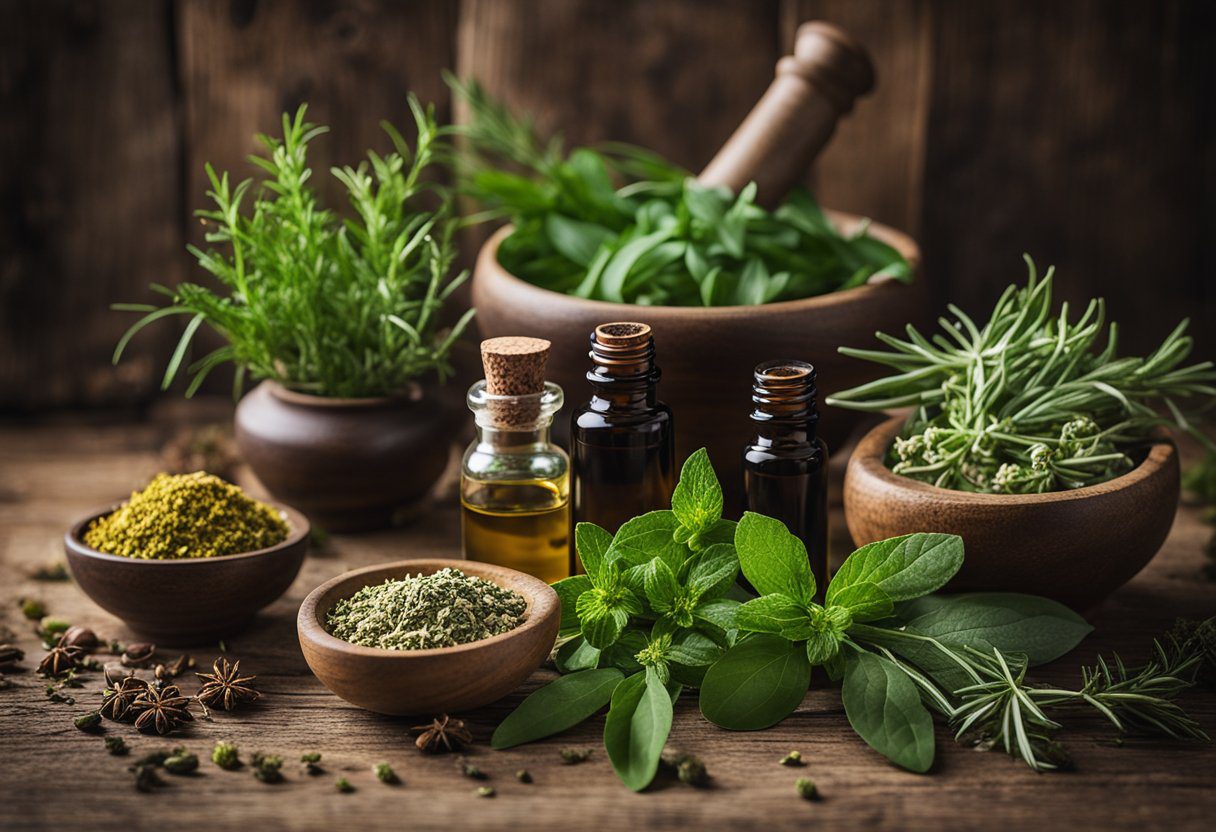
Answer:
[(783, 398), (492, 438), (623, 374)]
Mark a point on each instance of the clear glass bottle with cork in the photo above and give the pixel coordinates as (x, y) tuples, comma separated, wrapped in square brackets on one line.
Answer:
[(622, 440), (785, 465), (514, 482)]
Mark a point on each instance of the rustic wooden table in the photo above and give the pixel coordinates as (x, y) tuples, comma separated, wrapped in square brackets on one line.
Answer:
[(55, 777)]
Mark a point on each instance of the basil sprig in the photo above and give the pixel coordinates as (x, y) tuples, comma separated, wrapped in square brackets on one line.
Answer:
[(648, 618), (659, 611)]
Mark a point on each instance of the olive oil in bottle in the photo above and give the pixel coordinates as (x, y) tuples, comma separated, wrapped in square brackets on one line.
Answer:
[(622, 440), (785, 463), (514, 482)]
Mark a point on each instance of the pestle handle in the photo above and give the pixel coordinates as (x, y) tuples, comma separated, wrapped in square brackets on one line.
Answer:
[(779, 138)]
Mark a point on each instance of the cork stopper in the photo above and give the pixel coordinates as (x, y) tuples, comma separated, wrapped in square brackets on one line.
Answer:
[(515, 366), (621, 334)]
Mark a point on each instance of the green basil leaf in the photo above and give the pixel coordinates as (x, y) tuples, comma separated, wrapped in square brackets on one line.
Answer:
[(592, 544), (576, 654), (772, 559), (640, 540), (712, 571), (660, 585), (904, 567), (612, 281), (623, 653), (601, 622), (884, 708), (568, 591), (1040, 628), (693, 649), (864, 601), (822, 647), (637, 727), (720, 613), (697, 500), (561, 704), (721, 532), (575, 239), (757, 683), (778, 614)]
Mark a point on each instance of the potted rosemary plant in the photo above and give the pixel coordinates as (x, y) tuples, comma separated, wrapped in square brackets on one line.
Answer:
[(1031, 438), (338, 318)]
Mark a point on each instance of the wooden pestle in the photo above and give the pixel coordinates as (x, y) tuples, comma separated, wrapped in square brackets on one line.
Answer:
[(791, 123)]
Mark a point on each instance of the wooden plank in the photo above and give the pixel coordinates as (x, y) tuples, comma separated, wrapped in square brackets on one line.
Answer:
[(244, 64), (676, 77), (89, 172), (1142, 784), (874, 164), (1076, 132)]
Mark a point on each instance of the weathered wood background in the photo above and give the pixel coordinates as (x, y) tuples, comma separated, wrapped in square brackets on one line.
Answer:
[(1078, 132)]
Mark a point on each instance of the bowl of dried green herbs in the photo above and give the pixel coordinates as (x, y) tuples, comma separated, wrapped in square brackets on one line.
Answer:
[(427, 636), (1031, 438), (188, 559), (724, 282)]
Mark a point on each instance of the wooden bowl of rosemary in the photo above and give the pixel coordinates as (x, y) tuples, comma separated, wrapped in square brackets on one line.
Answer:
[(431, 680), (1075, 546), (187, 600)]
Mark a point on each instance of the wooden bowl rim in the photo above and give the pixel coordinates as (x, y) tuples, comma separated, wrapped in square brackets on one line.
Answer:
[(297, 523), (411, 394), (871, 450), (487, 262), (542, 603)]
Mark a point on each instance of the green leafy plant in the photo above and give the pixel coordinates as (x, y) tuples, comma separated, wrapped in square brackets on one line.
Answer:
[(621, 224), (323, 305), (1027, 402), (659, 612)]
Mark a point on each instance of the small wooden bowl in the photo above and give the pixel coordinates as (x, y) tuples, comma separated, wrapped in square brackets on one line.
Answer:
[(425, 682), (188, 601), (1075, 546)]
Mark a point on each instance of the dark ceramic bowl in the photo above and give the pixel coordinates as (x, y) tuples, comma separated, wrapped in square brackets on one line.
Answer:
[(1075, 546), (189, 601), (427, 682), (349, 464)]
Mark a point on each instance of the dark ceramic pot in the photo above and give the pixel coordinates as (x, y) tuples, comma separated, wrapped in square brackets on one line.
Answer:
[(708, 354), (349, 464)]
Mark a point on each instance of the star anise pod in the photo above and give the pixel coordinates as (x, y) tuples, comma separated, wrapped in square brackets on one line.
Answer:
[(225, 687), (161, 710), (60, 660), (116, 701), (443, 734)]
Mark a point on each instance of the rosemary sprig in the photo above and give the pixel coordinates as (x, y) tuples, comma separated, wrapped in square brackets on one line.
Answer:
[(1028, 402), (323, 305), (1000, 709)]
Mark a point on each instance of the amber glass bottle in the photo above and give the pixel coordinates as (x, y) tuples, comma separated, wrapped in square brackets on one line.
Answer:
[(785, 463), (514, 482), (622, 440)]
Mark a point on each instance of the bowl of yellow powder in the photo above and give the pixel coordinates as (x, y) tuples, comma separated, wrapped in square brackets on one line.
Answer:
[(189, 558)]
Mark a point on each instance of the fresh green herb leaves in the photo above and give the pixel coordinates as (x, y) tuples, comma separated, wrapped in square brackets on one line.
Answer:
[(903, 567), (1039, 628), (758, 683), (659, 611), (1029, 401), (659, 239), (773, 560), (637, 727), (557, 706), (884, 708)]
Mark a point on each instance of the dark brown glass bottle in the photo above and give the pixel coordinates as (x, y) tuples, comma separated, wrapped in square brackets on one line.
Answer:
[(785, 464), (622, 441)]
